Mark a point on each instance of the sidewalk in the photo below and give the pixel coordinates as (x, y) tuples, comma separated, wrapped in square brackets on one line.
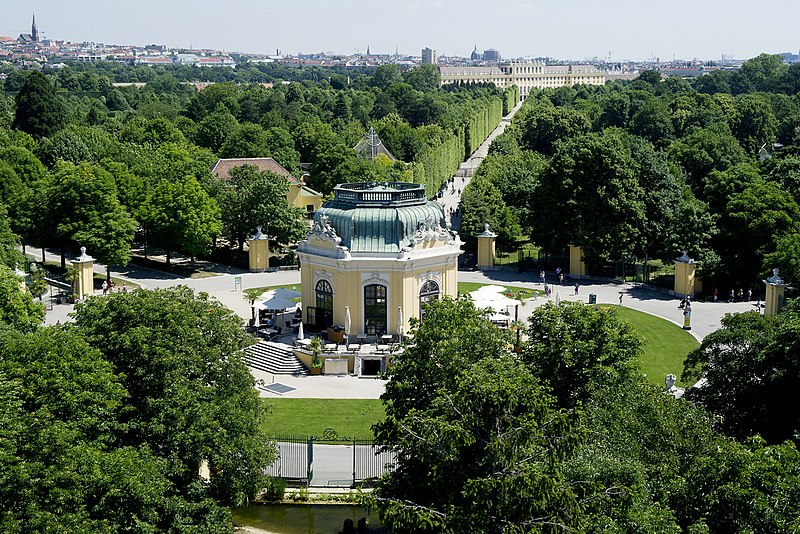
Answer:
[(451, 199)]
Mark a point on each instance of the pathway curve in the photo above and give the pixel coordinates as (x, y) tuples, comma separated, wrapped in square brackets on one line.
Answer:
[(706, 316)]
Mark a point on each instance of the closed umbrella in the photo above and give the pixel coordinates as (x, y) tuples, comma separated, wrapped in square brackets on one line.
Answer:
[(300, 333), (400, 323), (257, 321), (347, 324)]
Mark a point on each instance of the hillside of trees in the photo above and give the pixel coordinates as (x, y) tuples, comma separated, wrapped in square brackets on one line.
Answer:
[(653, 167)]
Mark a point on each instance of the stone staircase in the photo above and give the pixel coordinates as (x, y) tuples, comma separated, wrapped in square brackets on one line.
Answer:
[(275, 358)]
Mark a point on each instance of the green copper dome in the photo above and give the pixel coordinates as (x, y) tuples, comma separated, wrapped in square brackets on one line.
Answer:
[(384, 217)]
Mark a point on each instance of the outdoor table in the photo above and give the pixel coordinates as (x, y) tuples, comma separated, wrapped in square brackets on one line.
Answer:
[(354, 347), (383, 348), (266, 332), (387, 337), (303, 342), (330, 347), (361, 338)]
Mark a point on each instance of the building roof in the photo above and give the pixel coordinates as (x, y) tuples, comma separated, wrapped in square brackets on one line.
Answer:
[(470, 71), (382, 218), (222, 168), (371, 145)]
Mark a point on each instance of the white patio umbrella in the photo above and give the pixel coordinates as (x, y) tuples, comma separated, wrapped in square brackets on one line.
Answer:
[(275, 304), (490, 297), (300, 333), (400, 323), (281, 293), (257, 321), (347, 320)]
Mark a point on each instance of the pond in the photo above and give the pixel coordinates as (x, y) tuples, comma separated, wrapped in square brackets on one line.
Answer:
[(303, 518)]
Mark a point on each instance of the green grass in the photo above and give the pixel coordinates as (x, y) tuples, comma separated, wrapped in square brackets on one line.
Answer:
[(666, 344), (527, 250), (519, 293), (348, 417)]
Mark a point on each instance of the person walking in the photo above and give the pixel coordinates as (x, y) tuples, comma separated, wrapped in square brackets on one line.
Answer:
[(620, 298), (577, 287), (105, 287)]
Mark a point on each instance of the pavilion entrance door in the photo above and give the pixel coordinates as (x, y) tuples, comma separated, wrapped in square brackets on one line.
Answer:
[(375, 310)]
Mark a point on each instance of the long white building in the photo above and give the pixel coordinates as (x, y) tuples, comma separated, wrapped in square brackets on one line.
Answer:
[(526, 75)]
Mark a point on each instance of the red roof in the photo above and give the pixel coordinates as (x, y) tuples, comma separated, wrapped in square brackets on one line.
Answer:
[(222, 167)]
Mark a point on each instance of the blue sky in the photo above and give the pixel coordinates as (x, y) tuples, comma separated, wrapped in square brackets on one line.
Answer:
[(571, 29)]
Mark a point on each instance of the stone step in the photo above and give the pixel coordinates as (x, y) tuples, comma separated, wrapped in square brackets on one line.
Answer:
[(275, 358)]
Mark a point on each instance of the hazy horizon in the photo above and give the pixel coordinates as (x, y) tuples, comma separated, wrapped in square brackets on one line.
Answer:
[(517, 28)]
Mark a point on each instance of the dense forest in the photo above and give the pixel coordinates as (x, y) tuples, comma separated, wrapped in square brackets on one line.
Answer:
[(653, 167), (87, 162)]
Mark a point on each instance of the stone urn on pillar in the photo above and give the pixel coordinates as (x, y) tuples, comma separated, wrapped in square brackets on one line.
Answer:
[(687, 283), (84, 282), (775, 298)]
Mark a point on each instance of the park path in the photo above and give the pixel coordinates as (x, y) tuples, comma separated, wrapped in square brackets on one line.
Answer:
[(452, 190)]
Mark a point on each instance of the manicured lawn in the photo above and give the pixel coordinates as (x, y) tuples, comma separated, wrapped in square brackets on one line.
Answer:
[(666, 344), (519, 293), (347, 417)]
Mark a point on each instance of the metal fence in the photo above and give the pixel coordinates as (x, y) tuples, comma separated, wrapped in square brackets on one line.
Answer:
[(329, 460)]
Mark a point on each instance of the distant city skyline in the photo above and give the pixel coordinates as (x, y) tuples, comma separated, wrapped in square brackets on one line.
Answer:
[(579, 30)]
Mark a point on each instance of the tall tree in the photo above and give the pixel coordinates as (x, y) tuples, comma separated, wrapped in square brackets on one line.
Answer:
[(181, 216), (543, 127), (575, 349), (482, 204), (40, 111), (83, 210), (474, 433), (590, 196), (190, 396), (253, 198), (751, 372)]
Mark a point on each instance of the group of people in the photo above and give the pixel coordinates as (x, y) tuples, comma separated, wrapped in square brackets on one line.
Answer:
[(559, 277), (736, 296), (108, 287)]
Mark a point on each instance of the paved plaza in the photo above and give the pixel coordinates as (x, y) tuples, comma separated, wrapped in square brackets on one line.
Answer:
[(706, 316)]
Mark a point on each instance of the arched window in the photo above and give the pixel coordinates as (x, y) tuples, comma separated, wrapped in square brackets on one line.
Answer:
[(321, 315), (428, 292), (375, 309), (324, 293)]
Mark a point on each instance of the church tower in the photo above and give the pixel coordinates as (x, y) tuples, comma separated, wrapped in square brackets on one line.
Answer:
[(34, 30)]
